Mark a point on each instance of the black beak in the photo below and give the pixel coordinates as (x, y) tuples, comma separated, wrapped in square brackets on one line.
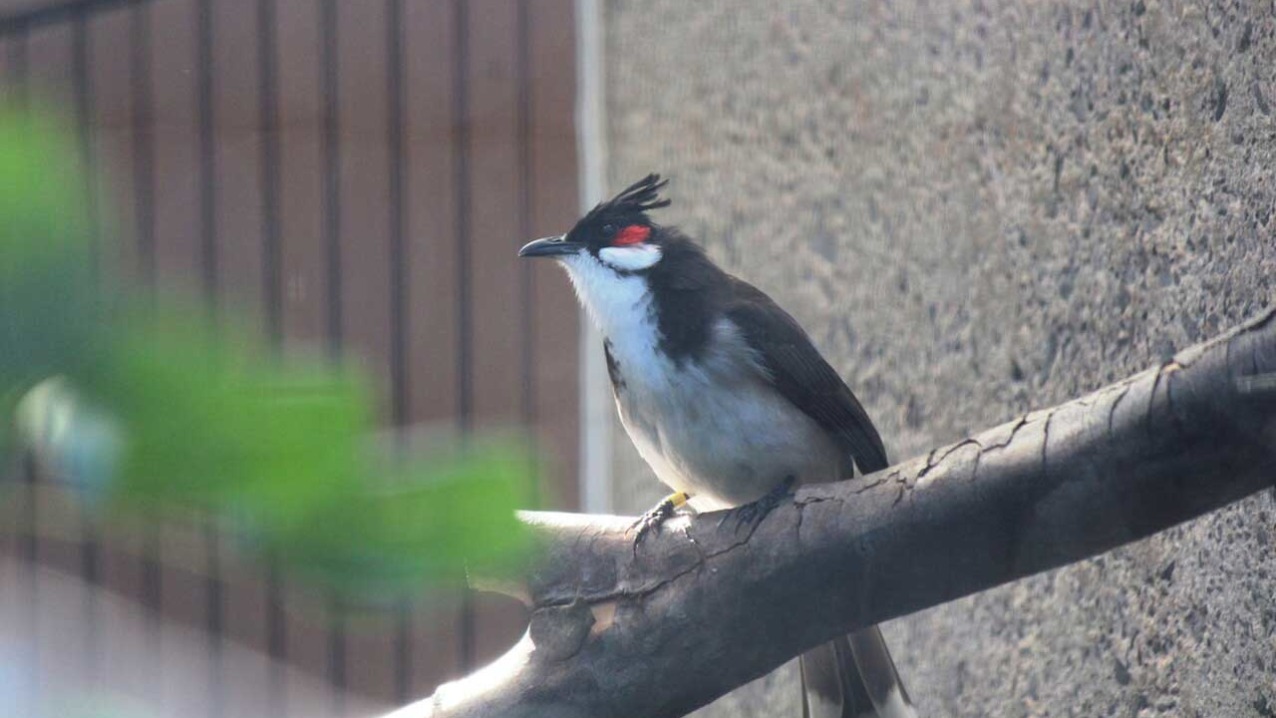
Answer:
[(549, 247)]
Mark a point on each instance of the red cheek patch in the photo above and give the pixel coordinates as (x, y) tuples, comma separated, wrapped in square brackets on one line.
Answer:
[(633, 234)]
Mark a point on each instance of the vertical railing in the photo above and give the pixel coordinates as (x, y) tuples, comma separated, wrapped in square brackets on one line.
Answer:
[(395, 155)]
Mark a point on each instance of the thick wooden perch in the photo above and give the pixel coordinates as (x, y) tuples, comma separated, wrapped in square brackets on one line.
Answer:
[(702, 608)]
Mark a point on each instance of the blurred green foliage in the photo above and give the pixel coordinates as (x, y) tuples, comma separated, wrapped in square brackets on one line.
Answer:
[(157, 409), (49, 312)]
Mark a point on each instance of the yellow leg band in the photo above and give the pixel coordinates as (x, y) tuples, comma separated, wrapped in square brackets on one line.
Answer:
[(677, 498)]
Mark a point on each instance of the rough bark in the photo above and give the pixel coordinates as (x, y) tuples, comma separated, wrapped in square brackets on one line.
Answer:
[(706, 606)]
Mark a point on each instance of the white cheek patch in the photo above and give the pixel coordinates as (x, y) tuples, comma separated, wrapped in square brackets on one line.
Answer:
[(631, 259)]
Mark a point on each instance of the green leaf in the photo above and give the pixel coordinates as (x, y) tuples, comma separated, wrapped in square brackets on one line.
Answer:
[(431, 519), (211, 422), (161, 410), (49, 306)]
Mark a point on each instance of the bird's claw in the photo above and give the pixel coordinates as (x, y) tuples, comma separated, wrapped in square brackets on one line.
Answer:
[(659, 513), (751, 514), (651, 520)]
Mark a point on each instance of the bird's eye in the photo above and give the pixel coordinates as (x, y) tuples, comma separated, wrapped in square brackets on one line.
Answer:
[(609, 230)]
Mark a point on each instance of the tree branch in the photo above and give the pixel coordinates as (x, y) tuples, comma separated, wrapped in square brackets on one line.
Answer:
[(701, 608)]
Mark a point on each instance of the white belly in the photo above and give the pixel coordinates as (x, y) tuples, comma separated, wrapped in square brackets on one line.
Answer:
[(727, 447), (714, 428)]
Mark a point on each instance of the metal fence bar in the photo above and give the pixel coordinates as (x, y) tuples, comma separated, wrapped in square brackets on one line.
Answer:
[(330, 89), (526, 270), (272, 286), (144, 197), (330, 78), (83, 94), (401, 391), (143, 143), (90, 547), (207, 159), (277, 628), (29, 549), (268, 107), (214, 622), (398, 249), (464, 308)]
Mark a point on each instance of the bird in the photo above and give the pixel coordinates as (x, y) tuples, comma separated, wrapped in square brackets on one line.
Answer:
[(727, 399)]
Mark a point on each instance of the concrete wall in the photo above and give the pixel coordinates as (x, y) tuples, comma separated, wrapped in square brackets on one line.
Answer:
[(977, 208)]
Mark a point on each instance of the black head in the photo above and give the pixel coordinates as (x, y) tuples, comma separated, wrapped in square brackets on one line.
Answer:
[(621, 220), (617, 232), (618, 259)]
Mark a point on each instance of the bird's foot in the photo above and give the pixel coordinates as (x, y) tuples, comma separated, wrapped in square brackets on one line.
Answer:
[(658, 514), (751, 514)]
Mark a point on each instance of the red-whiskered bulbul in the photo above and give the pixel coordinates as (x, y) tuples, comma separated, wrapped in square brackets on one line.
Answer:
[(726, 398)]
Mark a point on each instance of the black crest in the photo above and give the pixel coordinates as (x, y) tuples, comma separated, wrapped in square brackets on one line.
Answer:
[(628, 207), (639, 197)]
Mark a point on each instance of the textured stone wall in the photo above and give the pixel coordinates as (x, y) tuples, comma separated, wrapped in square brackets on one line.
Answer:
[(977, 208)]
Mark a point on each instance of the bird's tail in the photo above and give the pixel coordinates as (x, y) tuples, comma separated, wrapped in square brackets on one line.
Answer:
[(853, 677)]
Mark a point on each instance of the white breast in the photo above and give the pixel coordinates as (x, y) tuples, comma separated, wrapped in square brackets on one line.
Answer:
[(715, 429), (711, 426)]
